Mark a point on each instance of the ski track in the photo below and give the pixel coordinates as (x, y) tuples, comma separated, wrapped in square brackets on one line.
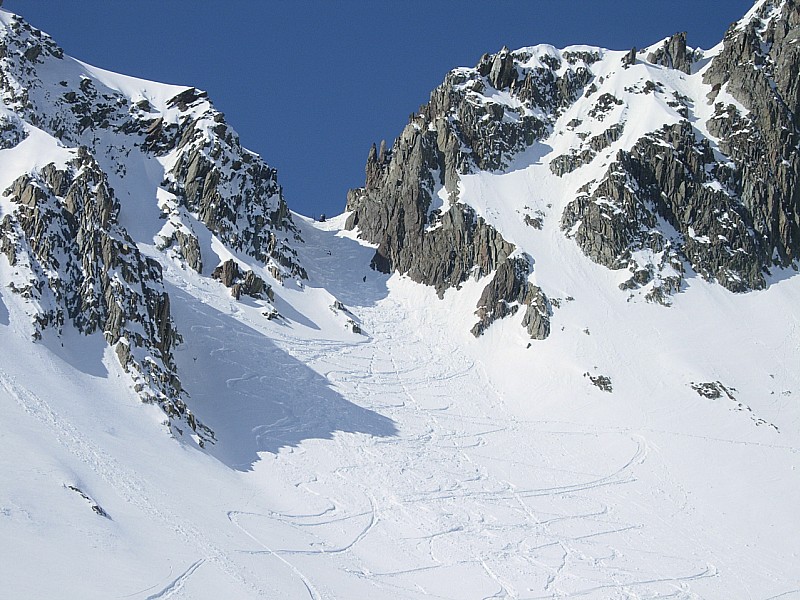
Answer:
[(441, 477), (310, 588), (452, 494), (177, 584)]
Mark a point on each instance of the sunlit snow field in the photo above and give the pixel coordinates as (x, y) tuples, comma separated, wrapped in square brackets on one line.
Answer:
[(414, 461)]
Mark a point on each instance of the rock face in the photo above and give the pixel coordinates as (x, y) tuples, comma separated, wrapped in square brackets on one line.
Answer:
[(229, 189), (567, 163), (673, 54), (247, 282), (210, 178), (673, 202), (11, 131), (759, 67), (409, 205), (77, 265), (666, 176), (733, 213), (506, 292)]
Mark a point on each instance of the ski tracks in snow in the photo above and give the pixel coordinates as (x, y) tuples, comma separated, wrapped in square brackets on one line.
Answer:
[(467, 501), (177, 584), (469, 493)]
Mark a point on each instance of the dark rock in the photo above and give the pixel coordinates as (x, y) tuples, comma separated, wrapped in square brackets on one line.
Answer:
[(338, 306), (629, 59), (245, 208), (186, 98), (602, 141), (502, 295), (601, 381), (673, 54), (354, 327), (537, 316), (567, 163), (247, 283), (502, 73), (457, 132), (587, 56), (227, 273), (712, 390), (758, 66), (96, 508), (666, 175), (187, 247), (603, 105), (535, 222), (229, 189), (12, 132)]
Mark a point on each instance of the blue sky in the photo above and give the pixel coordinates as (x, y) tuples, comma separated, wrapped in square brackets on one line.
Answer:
[(310, 85)]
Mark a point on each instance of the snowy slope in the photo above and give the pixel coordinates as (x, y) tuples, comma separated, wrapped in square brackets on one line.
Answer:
[(367, 445), (418, 463)]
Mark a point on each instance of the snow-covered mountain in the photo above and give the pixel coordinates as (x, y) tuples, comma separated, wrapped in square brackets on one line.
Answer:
[(666, 163), (550, 350)]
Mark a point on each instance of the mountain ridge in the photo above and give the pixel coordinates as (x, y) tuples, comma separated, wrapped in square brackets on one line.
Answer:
[(695, 102), (184, 154)]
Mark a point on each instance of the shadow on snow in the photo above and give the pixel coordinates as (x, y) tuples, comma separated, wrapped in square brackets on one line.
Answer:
[(341, 266), (255, 396)]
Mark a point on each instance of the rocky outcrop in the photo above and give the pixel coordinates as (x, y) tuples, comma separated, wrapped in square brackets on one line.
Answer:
[(503, 294), (567, 163), (673, 54), (603, 382), (629, 59), (229, 189), (604, 104), (76, 265), (758, 66), (75, 261), (537, 316), (506, 292), (210, 176), (12, 131), (409, 205), (668, 176), (242, 282), (185, 244), (442, 250)]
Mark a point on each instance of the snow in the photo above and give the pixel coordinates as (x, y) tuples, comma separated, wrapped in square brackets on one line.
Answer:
[(774, 9), (34, 152), (158, 94)]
